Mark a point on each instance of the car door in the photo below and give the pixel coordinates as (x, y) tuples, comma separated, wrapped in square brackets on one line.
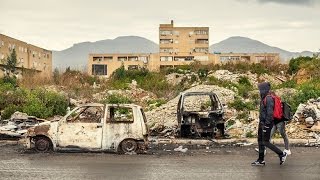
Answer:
[(82, 129), (120, 125)]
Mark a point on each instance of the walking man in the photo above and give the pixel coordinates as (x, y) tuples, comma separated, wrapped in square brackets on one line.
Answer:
[(266, 123)]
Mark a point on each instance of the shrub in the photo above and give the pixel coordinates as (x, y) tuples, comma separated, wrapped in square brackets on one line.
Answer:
[(117, 99), (9, 110), (240, 105), (307, 90), (294, 64), (250, 134), (156, 102), (286, 84), (38, 102)]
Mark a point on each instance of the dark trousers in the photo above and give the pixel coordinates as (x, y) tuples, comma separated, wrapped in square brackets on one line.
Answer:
[(264, 140)]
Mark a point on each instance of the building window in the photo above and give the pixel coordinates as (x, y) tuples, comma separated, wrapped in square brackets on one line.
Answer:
[(165, 32), (99, 59), (183, 58), (201, 32), (202, 41), (122, 58), (166, 50), (166, 58), (133, 58), (166, 41), (133, 67), (108, 58), (99, 69), (201, 50), (144, 59)]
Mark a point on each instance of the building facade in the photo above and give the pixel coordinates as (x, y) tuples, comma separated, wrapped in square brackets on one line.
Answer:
[(29, 57), (177, 46)]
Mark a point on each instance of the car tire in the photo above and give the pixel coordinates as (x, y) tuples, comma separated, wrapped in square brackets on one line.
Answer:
[(43, 144), (129, 146)]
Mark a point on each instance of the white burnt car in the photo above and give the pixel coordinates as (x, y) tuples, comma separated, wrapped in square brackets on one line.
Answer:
[(92, 127)]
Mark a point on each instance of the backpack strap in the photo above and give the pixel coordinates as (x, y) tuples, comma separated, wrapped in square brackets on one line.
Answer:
[(265, 98)]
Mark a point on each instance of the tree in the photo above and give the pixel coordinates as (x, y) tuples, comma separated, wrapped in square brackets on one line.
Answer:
[(10, 68), (10, 64)]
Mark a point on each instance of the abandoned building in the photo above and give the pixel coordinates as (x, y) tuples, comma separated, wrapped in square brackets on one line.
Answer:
[(30, 58), (177, 46)]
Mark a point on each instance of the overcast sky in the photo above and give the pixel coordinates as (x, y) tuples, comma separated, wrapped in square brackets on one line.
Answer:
[(293, 25)]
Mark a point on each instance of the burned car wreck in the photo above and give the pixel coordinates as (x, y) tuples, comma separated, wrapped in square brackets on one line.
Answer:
[(200, 114), (92, 127)]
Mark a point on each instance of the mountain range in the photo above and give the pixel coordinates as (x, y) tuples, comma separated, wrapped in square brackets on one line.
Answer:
[(76, 56)]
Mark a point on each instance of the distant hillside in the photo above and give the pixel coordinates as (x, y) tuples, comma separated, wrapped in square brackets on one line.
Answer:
[(239, 44), (77, 56)]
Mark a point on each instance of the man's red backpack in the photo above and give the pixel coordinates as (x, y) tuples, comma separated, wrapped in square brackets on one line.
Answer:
[(282, 110)]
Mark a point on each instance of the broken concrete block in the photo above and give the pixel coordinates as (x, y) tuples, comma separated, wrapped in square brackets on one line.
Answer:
[(19, 115), (316, 126), (309, 122)]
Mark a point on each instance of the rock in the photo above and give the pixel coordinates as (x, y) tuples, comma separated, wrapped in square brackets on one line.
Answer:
[(175, 78), (19, 116), (181, 149), (309, 122), (316, 126)]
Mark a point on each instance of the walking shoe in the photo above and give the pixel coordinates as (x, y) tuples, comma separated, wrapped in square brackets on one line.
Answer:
[(283, 158), (258, 163), (287, 151), (257, 150)]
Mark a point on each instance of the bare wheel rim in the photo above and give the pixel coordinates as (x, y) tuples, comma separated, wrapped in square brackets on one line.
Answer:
[(42, 145), (129, 146)]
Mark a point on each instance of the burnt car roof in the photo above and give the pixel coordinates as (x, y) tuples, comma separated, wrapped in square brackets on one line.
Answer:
[(197, 93)]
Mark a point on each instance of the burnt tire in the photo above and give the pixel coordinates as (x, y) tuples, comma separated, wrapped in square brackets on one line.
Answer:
[(43, 144), (129, 146)]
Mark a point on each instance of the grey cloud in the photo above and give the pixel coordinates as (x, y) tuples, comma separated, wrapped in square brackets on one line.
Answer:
[(297, 2)]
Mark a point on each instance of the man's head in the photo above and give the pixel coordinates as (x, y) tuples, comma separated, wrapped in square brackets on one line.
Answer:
[(264, 89)]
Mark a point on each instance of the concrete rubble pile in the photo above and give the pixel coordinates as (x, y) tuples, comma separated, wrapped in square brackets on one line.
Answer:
[(307, 117), (163, 120), (17, 125), (226, 75), (138, 95)]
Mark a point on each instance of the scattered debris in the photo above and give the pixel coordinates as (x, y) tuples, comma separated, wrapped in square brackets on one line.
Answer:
[(181, 149), (17, 125)]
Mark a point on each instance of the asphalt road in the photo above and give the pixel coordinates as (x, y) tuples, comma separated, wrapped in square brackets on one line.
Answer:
[(213, 163)]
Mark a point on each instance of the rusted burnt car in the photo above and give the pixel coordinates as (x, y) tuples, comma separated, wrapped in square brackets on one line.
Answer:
[(92, 127), (200, 114)]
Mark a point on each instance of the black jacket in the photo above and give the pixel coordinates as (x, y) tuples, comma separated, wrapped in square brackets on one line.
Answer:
[(266, 108)]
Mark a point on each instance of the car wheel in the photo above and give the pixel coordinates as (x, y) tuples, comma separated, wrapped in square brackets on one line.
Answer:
[(129, 146), (43, 144)]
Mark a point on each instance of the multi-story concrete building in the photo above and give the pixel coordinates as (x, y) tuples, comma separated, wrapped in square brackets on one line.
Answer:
[(247, 57), (177, 46), (29, 57)]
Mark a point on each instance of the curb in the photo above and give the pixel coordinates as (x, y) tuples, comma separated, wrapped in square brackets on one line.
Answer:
[(244, 141)]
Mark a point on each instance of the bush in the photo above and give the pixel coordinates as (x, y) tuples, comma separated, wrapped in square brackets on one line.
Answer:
[(117, 99), (294, 64), (250, 134), (286, 84), (240, 105), (156, 102), (38, 102), (307, 90), (9, 110)]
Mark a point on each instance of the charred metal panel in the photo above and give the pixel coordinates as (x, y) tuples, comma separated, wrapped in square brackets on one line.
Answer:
[(114, 132), (82, 135)]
